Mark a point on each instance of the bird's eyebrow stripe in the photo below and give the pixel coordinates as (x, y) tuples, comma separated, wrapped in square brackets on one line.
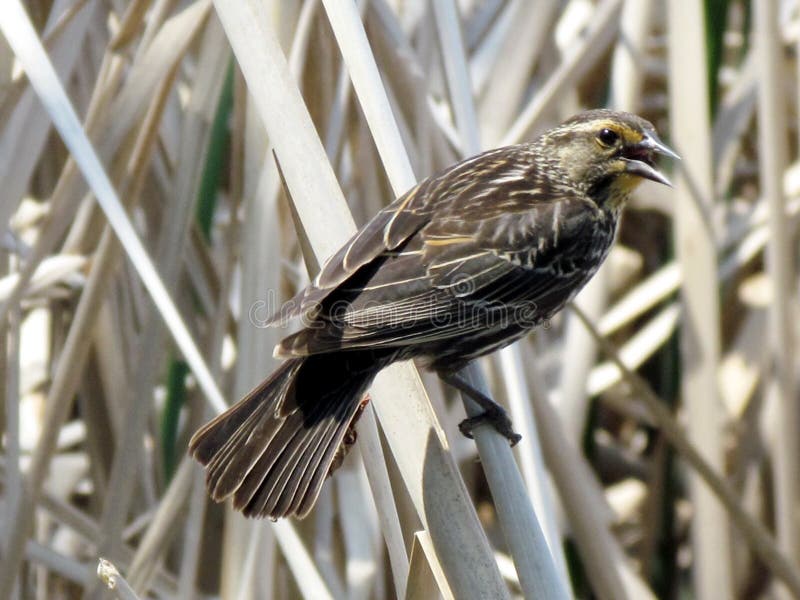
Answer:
[(630, 134)]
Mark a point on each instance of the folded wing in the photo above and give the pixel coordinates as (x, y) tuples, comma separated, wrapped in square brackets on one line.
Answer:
[(450, 279)]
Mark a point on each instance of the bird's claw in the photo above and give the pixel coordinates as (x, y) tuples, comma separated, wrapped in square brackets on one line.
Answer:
[(497, 419)]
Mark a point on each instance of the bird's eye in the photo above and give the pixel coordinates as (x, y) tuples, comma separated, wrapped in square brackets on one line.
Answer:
[(608, 137)]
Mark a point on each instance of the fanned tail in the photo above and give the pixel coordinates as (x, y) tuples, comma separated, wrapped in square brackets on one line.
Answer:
[(272, 451)]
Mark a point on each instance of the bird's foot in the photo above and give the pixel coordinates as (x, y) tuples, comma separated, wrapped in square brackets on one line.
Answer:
[(497, 418), (493, 414)]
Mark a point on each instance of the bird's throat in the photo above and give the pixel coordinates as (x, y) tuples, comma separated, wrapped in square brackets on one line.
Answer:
[(611, 193)]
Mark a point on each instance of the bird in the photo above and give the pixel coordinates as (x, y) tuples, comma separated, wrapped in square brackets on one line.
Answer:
[(466, 262)]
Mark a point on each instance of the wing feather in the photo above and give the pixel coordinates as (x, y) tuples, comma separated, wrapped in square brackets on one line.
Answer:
[(459, 187), (386, 231), (454, 278)]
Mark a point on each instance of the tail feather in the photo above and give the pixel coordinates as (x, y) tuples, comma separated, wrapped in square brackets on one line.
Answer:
[(292, 465), (283, 465), (315, 460), (233, 442), (302, 501), (272, 451)]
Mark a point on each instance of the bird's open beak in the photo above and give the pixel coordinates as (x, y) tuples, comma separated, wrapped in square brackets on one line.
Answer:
[(640, 158)]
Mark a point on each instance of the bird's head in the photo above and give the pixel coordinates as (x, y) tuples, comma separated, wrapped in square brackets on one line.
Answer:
[(609, 152)]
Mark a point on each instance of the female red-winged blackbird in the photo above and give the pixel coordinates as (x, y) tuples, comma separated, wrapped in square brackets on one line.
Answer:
[(464, 263)]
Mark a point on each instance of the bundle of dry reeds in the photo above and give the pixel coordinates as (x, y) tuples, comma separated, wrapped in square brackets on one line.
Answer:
[(148, 234)]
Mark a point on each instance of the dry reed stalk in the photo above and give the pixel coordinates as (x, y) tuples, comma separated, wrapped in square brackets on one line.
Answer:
[(695, 249), (394, 92), (782, 378)]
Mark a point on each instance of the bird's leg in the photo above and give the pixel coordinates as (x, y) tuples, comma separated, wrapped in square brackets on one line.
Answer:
[(493, 414)]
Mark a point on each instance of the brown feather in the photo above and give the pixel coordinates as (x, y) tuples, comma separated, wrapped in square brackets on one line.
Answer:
[(465, 263)]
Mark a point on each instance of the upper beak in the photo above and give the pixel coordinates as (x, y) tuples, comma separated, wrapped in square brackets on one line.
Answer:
[(649, 145)]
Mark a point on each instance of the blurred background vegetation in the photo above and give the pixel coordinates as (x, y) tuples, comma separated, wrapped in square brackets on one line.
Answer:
[(187, 105)]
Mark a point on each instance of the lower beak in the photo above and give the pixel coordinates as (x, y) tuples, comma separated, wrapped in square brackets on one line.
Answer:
[(642, 169), (650, 145)]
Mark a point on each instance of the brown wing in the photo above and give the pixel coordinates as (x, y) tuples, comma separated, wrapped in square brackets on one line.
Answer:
[(455, 277), (384, 232), (397, 223)]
